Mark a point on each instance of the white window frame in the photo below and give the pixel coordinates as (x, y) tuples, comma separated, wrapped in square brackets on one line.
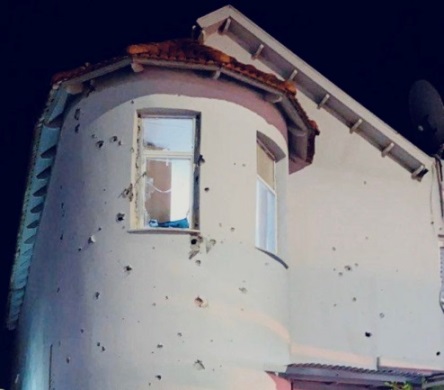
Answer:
[(191, 156), (273, 191)]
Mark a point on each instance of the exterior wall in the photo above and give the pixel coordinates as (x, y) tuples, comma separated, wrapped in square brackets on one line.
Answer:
[(363, 252), (110, 328), (363, 257)]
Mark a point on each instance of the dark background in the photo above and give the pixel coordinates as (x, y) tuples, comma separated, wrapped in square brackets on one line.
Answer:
[(372, 51)]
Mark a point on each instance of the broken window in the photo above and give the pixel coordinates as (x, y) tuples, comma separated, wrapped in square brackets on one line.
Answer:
[(266, 224), (168, 150)]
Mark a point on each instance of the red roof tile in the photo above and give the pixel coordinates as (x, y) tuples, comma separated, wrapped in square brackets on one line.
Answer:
[(186, 51), (189, 51)]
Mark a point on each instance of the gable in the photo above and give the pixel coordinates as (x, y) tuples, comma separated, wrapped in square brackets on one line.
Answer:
[(229, 30)]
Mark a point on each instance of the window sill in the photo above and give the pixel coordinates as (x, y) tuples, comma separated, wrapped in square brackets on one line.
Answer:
[(164, 231), (274, 257)]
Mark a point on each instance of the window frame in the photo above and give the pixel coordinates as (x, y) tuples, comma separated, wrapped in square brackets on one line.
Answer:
[(273, 191), (143, 154)]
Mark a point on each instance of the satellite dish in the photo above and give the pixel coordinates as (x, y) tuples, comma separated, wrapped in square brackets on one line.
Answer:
[(427, 114)]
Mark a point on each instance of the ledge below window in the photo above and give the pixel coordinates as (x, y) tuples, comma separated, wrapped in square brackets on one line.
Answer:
[(192, 232), (274, 257)]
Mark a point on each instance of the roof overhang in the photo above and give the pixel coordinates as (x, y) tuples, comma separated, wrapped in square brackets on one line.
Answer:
[(325, 94), (316, 376)]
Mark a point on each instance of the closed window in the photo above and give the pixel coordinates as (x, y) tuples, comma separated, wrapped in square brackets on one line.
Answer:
[(266, 220), (168, 171)]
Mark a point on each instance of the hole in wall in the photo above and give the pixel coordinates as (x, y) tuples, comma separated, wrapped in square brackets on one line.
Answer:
[(200, 302), (198, 365)]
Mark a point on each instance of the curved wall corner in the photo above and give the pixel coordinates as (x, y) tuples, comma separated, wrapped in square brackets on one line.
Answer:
[(128, 308)]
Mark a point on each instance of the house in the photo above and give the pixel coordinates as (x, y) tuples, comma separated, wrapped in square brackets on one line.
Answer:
[(213, 213)]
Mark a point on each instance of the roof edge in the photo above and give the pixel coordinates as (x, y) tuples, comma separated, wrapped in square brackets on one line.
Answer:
[(348, 375), (310, 81)]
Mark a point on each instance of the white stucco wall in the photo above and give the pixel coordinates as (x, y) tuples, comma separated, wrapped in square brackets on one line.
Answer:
[(363, 251), (113, 329), (364, 257)]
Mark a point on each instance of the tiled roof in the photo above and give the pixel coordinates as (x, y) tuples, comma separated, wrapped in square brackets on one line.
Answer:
[(82, 70), (189, 51)]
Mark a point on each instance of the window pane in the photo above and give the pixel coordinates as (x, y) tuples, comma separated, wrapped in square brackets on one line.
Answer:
[(168, 190), (265, 166), (265, 217), (173, 134), (271, 221)]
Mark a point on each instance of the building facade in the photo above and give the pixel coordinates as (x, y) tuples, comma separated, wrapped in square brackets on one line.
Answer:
[(185, 228)]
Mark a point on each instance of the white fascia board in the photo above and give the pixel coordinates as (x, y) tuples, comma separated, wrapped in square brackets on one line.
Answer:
[(309, 81), (213, 20), (101, 71)]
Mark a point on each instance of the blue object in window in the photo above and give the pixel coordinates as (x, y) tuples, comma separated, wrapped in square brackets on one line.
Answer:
[(180, 223)]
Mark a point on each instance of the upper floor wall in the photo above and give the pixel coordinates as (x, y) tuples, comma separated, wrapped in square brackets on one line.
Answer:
[(363, 233)]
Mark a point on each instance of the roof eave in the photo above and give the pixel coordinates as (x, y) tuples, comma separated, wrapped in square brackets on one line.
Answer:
[(342, 375)]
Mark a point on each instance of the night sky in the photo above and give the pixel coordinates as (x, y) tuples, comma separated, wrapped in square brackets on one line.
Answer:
[(372, 52)]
